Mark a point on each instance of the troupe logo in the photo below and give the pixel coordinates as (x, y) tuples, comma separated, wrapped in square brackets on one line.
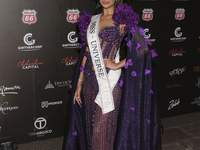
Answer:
[(147, 14), (198, 82), (180, 14), (9, 90), (175, 52), (40, 127), (72, 15), (68, 61), (63, 83), (174, 103), (72, 39), (4, 108), (46, 104), (30, 44), (177, 71), (28, 65), (197, 69), (196, 101), (49, 86), (148, 35), (29, 16), (178, 35), (173, 85)]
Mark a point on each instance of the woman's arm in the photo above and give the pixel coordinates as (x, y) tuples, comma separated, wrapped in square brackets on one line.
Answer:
[(112, 65), (77, 97)]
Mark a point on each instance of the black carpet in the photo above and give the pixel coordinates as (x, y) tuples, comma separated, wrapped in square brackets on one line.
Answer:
[(180, 133)]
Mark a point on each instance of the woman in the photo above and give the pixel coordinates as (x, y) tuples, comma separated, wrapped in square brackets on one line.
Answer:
[(100, 91)]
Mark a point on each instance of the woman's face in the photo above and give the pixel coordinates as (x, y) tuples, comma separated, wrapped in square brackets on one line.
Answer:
[(107, 3)]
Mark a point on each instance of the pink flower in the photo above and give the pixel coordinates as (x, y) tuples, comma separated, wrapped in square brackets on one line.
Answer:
[(132, 30), (74, 133), (147, 71), (85, 54), (147, 41), (133, 74), (128, 63), (151, 91), (138, 46), (80, 45), (141, 30), (132, 108), (81, 68), (153, 53), (121, 83), (124, 14), (128, 43), (125, 39)]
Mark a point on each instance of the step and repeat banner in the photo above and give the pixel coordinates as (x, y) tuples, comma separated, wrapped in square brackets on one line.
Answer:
[(39, 48)]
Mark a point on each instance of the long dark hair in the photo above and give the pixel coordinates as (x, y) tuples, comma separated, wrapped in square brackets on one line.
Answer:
[(99, 8)]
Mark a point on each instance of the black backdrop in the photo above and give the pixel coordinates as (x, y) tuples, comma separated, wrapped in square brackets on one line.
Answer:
[(39, 48)]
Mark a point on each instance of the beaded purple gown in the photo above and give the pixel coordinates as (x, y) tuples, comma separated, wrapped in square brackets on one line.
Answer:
[(134, 124), (101, 128)]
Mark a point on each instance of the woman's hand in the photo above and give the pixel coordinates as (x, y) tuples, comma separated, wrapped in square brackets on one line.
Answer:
[(110, 64), (77, 95)]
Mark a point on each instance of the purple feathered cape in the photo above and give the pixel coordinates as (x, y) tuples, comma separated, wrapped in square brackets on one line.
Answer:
[(138, 125)]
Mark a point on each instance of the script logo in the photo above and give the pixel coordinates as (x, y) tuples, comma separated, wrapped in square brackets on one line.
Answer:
[(147, 14), (29, 16), (46, 104), (180, 14), (72, 39), (27, 65), (178, 35), (148, 35), (4, 108), (196, 101), (197, 69), (177, 71), (4, 90), (72, 15), (173, 85), (30, 44), (68, 61), (175, 52), (174, 103), (198, 82)]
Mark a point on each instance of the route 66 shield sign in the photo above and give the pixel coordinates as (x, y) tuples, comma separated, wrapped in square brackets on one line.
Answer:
[(147, 14), (29, 16), (180, 14), (72, 15)]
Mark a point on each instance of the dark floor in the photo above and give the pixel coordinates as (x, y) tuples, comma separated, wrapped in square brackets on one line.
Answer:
[(180, 133)]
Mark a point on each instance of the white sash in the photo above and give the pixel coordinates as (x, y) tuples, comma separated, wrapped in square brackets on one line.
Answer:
[(105, 81)]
